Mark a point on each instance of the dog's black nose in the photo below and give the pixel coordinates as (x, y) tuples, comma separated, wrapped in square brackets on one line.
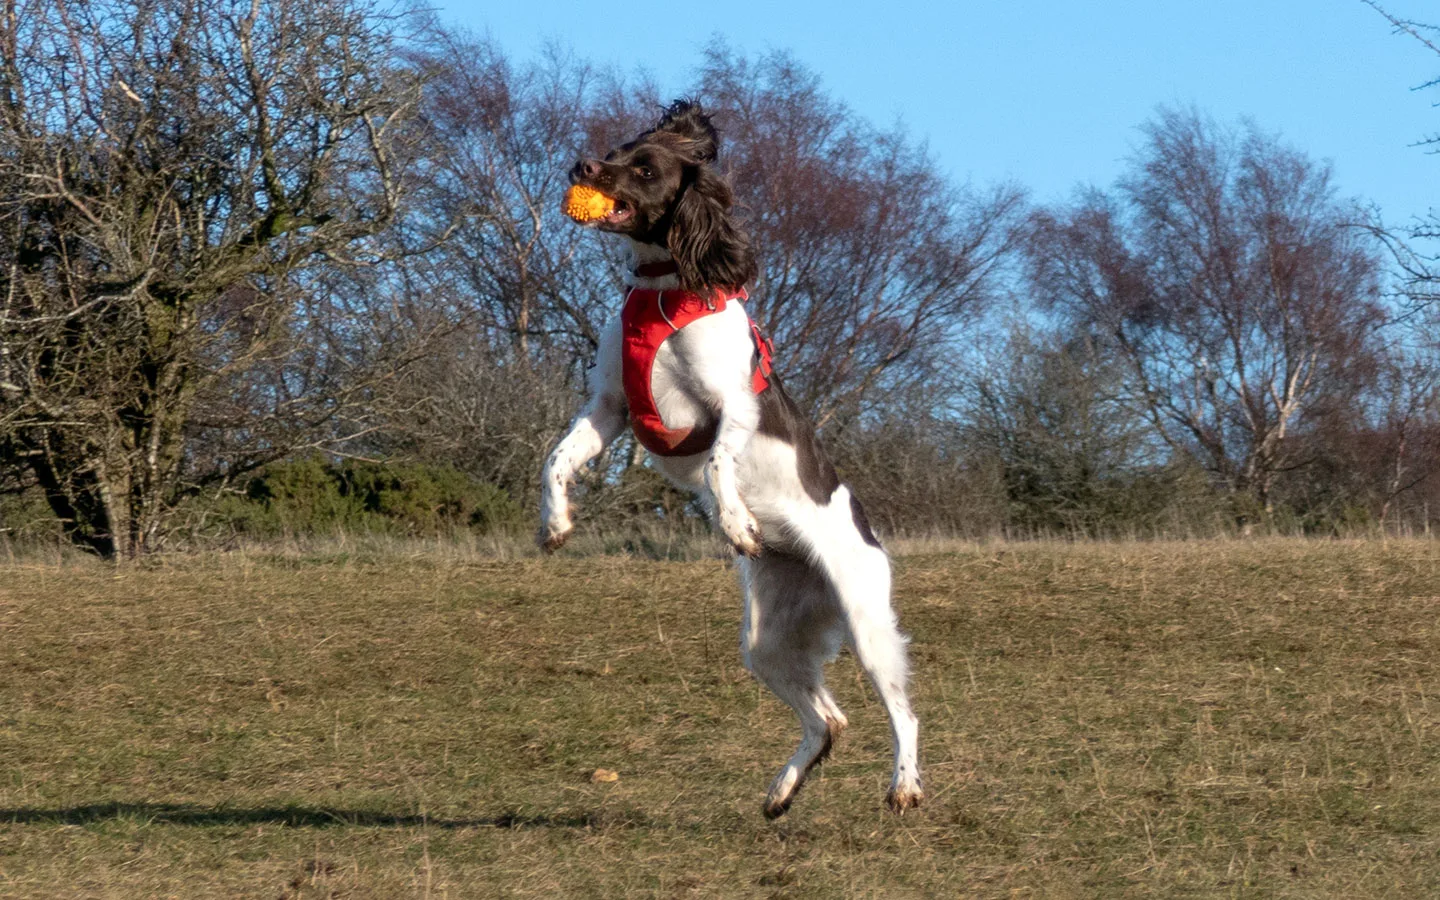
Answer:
[(586, 168)]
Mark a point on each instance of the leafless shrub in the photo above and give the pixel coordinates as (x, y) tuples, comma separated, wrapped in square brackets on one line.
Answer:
[(1412, 245), (1224, 274), (873, 263), (177, 180)]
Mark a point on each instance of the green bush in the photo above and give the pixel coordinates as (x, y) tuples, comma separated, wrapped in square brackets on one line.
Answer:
[(312, 496), (26, 516), (300, 497), (428, 499)]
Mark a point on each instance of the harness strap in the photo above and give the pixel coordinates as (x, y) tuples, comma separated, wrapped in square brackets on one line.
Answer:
[(764, 360), (645, 325), (657, 269)]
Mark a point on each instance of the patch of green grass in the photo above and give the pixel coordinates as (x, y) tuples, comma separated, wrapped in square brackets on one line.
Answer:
[(1098, 720)]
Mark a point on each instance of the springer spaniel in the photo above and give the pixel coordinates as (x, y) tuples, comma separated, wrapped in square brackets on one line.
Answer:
[(686, 369)]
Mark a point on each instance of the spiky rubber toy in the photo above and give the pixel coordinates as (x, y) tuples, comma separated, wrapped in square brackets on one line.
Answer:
[(585, 204)]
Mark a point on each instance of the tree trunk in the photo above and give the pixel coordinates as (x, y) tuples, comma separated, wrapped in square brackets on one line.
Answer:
[(76, 499)]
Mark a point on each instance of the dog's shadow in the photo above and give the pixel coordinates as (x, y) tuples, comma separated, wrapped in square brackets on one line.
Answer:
[(305, 817)]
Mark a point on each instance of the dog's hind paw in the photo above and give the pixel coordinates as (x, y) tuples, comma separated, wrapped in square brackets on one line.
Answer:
[(550, 538), (901, 798), (774, 809), (782, 792)]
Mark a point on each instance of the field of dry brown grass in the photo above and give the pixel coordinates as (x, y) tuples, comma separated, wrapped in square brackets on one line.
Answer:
[(1208, 719)]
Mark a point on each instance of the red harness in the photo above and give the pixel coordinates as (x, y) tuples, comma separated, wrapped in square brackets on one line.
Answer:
[(646, 320)]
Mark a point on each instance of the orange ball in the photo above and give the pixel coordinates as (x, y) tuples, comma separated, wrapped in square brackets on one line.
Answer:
[(585, 204)]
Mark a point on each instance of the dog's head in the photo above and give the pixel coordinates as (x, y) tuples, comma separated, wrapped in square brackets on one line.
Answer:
[(667, 193)]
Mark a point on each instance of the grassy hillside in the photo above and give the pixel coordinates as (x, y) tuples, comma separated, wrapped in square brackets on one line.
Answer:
[(1201, 719)]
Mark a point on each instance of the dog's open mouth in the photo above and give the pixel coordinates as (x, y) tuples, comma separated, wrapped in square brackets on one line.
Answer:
[(591, 206), (623, 212)]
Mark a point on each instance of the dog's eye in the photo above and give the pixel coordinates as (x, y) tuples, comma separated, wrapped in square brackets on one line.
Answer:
[(645, 172)]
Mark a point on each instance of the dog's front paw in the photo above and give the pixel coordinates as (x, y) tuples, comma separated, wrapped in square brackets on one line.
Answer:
[(553, 534), (742, 531)]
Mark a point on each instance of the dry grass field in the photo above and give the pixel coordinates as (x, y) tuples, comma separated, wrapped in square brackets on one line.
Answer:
[(1227, 719)]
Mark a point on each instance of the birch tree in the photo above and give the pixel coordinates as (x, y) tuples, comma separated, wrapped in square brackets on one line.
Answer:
[(1224, 271)]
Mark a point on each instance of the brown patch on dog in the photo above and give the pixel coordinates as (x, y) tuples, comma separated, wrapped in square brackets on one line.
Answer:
[(782, 420), (824, 754), (862, 523)]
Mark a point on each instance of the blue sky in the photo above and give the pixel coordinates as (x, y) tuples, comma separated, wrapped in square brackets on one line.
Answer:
[(1049, 93)]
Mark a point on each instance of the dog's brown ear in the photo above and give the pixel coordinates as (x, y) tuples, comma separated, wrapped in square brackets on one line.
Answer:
[(687, 120), (710, 250)]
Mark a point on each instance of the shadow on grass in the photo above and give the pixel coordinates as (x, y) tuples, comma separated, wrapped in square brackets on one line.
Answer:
[(309, 817)]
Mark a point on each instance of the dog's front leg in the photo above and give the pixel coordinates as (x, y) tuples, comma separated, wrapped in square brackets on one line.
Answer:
[(739, 417), (599, 422), (594, 429)]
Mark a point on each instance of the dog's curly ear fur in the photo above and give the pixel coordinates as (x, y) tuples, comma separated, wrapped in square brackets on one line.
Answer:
[(687, 120), (708, 248)]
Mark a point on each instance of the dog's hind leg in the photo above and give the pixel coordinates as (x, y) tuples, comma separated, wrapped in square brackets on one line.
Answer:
[(791, 628), (859, 572)]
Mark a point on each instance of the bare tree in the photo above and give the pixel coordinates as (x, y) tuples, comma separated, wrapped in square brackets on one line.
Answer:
[(518, 291), (1419, 267), (911, 460), (505, 136), (1375, 458), (1047, 410), (177, 178), (871, 259), (1224, 273)]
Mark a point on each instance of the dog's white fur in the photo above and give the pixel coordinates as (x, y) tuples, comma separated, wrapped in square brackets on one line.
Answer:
[(814, 582)]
